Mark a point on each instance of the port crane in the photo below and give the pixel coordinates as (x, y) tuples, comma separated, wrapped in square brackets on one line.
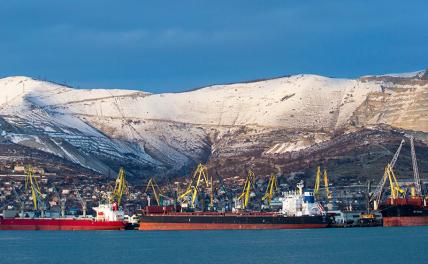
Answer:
[(393, 183), (36, 193), (200, 177), (120, 188), (389, 175), (20, 200), (81, 201), (418, 188), (155, 190), (271, 189), (377, 195), (317, 183), (244, 197), (62, 201)]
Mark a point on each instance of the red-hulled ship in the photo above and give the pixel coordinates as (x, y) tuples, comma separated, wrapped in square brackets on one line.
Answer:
[(405, 212), (299, 210), (401, 209), (109, 217)]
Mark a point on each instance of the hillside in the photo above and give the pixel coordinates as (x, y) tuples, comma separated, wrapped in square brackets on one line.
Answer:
[(292, 122)]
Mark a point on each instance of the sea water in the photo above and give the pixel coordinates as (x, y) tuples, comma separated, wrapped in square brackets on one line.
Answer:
[(353, 245)]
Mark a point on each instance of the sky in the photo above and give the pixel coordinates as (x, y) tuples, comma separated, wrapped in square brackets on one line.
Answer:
[(172, 46)]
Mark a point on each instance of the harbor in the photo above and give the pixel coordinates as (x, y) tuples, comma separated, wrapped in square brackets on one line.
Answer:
[(205, 205)]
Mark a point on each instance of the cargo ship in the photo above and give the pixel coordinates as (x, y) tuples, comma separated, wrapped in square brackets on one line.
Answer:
[(400, 208), (299, 210), (108, 217), (405, 212)]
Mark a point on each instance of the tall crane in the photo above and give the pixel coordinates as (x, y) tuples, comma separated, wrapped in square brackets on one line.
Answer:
[(244, 197), (377, 195), (327, 189), (415, 169), (36, 193), (155, 190), (20, 200), (120, 187), (81, 201), (393, 183), (200, 177), (317, 183), (271, 189), (62, 201)]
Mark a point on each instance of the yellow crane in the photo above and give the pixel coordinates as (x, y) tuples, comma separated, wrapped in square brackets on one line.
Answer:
[(317, 183), (327, 189), (120, 187), (244, 197), (155, 190), (199, 177), (32, 184), (271, 189), (395, 188), (393, 183)]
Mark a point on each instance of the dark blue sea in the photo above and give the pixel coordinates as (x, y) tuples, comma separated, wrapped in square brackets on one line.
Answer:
[(353, 245)]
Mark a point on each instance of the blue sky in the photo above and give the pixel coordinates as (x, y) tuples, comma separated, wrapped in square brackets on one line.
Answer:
[(169, 46)]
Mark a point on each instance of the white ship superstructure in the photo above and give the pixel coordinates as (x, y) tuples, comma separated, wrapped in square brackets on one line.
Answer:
[(300, 203)]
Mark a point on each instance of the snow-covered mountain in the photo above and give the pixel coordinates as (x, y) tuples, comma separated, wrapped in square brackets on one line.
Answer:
[(166, 133)]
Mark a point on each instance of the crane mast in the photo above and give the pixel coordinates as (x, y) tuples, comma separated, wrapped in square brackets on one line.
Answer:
[(327, 190), (120, 187), (318, 183), (36, 193), (272, 187), (20, 200), (155, 190), (244, 197), (377, 195), (415, 168), (200, 177), (81, 200)]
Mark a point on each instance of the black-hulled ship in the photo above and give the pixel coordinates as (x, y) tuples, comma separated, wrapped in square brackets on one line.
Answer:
[(299, 210)]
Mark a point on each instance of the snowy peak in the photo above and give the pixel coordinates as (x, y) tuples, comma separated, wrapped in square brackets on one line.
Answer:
[(102, 129)]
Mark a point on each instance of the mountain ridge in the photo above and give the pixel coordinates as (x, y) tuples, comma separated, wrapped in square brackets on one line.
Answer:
[(168, 133)]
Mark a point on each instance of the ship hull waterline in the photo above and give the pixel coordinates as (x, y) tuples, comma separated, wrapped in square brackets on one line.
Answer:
[(405, 221)]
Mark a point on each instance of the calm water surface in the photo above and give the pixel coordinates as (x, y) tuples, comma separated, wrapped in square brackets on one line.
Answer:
[(354, 245)]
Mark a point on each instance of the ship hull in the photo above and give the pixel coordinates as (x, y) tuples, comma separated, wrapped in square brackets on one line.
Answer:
[(58, 224), (405, 221), (229, 222), (404, 214)]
